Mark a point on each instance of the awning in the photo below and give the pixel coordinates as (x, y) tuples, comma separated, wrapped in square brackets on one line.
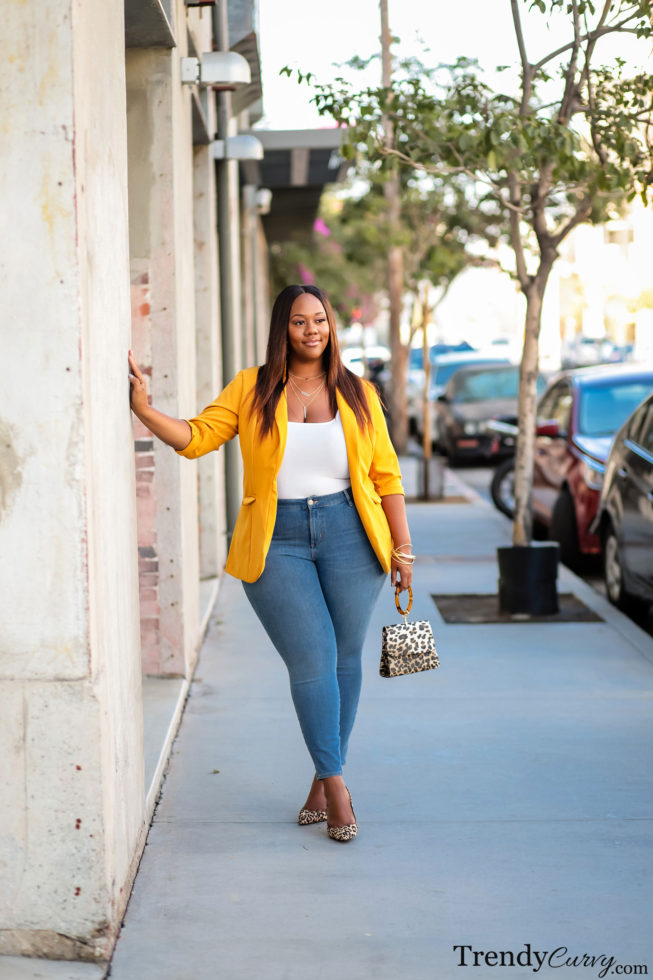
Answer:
[(296, 166), (147, 25)]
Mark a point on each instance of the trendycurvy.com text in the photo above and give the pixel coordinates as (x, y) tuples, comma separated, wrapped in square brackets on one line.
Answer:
[(559, 957)]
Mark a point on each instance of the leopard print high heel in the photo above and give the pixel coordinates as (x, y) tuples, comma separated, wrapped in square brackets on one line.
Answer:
[(310, 816), (346, 832)]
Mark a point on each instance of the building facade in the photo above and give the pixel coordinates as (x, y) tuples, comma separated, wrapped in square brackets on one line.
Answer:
[(111, 544), (137, 209)]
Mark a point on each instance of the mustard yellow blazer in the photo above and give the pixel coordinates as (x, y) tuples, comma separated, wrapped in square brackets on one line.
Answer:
[(373, 469)]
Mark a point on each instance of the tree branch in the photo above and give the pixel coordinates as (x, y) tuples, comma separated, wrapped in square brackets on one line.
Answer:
[(440, 169), (528, 71), (571, 94), (581, 214), (597, 143), (514, 216), (591, 44), (591, 36), (516, 19)]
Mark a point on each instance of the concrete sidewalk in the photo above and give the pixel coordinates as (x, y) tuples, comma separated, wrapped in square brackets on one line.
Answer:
[(503, 800)]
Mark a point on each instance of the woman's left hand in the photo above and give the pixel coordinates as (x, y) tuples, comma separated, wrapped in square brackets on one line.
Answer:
[(394, 507), (401, 576)]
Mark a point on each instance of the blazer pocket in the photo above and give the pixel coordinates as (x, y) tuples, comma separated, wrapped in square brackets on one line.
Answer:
[(248, 500)]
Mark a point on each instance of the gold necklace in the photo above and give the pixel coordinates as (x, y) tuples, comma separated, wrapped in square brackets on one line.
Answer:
[(312, 377), (312, 397)]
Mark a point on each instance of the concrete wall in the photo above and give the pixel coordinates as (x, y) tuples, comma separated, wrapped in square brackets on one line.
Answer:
[(256, 298), (212, 503), (162, 253), (71, 722), (109, 242)]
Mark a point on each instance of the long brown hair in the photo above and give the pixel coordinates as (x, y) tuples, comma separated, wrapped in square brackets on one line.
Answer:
[(272, 376)]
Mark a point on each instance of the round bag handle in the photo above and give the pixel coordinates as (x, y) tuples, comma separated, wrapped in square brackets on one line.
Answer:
[(404, 612)]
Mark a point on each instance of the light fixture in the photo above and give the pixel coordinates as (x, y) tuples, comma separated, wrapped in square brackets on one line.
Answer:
[(263, 200), (224, 68), (242, 147)]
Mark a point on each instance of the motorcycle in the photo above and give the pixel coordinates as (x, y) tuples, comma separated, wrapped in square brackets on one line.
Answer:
[(502, 486)]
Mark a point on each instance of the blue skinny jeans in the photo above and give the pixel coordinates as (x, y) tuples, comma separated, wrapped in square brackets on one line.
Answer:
[(315, 599)]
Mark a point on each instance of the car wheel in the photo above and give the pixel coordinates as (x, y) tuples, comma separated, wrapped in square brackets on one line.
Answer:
[(564, 530), (502, 487), (612, 569)]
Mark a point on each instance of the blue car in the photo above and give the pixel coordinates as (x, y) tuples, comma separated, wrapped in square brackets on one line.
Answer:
[(624, 521)]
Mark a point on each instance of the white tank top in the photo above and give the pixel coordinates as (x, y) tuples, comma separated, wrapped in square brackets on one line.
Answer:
[(315, 460)]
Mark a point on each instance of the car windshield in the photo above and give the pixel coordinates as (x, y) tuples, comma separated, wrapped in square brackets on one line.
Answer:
[(442, 371), (478, 386), (416, 362), (604, 408)]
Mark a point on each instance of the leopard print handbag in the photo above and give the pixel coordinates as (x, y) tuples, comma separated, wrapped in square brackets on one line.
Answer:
[(407, 648)]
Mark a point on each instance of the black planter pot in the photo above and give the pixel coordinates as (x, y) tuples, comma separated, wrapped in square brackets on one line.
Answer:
[(528, 578)]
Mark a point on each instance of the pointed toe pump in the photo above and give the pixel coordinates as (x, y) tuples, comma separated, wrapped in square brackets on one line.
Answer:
[(311, 816), (347, 832)]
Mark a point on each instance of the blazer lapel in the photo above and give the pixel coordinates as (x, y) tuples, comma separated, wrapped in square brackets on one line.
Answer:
[(350, 429), (281, 419)]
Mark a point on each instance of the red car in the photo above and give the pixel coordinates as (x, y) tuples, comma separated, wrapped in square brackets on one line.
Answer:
[(578, 415)]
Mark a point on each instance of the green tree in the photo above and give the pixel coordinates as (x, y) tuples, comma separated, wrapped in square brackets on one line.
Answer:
[(348, 251), (570, 144), (341, 256)]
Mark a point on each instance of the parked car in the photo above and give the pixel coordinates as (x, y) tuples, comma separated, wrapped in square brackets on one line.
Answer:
[(354, 358), (585, 351), (578, 416), (624, 522), (443, 368), (415, 375), (416, 359), (472, 397)]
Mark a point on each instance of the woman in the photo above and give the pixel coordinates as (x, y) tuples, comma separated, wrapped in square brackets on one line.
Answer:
[(322, 520)]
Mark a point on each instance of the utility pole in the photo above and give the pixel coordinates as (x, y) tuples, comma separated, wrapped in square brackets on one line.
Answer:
[(228, 250), (398, 419)]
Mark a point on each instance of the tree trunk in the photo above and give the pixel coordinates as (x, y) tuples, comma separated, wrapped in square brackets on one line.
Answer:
[(426, 363), (522, 528), (398, 410), (398, 415)]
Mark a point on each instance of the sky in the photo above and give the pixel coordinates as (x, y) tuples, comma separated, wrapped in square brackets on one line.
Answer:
[(317, 37), (313, 37)]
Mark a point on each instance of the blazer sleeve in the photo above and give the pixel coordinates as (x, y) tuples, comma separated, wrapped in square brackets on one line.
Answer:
[(384, 468), (217, 423)]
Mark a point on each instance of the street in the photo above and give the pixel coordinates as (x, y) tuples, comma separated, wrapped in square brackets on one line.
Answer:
[(479, 477)]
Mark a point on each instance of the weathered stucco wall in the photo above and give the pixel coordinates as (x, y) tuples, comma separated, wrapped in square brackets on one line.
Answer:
[(162, 247), (71, 720), (212, 504)]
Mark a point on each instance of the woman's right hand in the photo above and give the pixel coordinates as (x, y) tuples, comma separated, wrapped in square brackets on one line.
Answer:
[(175, 432), (138, 392)]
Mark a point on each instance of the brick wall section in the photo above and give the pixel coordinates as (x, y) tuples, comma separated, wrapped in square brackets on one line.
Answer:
[(146, 503)]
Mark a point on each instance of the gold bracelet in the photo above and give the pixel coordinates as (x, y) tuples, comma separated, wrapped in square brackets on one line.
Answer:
[(401, 558)]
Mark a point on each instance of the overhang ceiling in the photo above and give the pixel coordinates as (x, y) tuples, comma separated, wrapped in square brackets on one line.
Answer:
[(296, 166), (147, 24)]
